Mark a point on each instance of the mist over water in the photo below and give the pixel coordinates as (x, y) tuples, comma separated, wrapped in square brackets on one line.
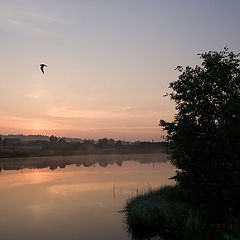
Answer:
[(76, 197)]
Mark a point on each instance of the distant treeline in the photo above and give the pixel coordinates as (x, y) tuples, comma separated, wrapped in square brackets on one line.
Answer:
[(14, 147), (26, 137)]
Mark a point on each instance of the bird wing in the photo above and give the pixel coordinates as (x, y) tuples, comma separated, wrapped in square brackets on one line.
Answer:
[(41, 67)]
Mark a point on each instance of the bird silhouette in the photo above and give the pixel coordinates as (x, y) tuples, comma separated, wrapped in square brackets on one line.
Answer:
[(42, 66)]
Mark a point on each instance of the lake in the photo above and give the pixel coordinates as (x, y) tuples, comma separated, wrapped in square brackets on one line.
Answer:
[(74, 197)]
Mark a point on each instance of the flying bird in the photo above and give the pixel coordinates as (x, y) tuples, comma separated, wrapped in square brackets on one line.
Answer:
[(42, 66)]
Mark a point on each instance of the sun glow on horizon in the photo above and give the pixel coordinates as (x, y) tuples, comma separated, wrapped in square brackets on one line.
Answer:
[(109, 65)]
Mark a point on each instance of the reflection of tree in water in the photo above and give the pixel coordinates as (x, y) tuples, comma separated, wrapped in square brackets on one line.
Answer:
[(53, 165), (119, 162), (83, 160), (104, 162)]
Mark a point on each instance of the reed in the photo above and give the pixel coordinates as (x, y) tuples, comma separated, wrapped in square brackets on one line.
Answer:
[(167, 210)]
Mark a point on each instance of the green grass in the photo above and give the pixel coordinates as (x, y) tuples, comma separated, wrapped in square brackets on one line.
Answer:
[(167, 210)]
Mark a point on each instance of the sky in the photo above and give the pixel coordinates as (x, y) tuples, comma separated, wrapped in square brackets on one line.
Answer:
[(109, 62)]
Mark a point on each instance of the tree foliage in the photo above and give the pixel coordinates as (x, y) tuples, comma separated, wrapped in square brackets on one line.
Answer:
[(204, 138), (53, 140)]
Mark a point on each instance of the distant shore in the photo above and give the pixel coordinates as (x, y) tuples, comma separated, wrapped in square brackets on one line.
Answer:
[(20, 154), (37, 149)]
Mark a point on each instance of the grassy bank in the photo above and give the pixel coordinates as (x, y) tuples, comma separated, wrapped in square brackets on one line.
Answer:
[(166, 212)]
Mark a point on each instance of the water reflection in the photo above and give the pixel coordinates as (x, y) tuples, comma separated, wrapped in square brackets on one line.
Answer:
[(83, 160), (80, 199)]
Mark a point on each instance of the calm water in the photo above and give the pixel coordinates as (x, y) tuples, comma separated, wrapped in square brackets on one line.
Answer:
[(75, 197)]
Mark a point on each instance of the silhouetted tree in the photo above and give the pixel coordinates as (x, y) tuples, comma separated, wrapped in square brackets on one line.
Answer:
[(89, 142), (0, 139), (111, 142), (204, 138), (103, 142), (53, 140), (118, 143), (62, 140)]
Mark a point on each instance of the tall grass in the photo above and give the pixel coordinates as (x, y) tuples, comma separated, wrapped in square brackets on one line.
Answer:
[(167, 210)]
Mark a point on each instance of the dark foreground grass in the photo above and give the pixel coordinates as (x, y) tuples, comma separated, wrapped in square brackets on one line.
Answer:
[(166, 212)]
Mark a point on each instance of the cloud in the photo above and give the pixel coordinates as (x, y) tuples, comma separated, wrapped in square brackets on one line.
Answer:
[(13, 18), (11, 24), (31, 123), (67, 112), (27, 12), (127, 108)]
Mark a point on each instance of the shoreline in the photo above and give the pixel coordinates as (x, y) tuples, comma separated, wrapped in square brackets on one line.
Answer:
[(14, 154), (70, 149)]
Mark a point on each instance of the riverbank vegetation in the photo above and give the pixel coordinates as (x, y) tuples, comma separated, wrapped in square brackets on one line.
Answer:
[(14, 147), (168, 213), (204, 146)]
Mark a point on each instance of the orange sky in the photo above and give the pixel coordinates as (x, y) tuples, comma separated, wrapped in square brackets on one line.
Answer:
[(109, 63)]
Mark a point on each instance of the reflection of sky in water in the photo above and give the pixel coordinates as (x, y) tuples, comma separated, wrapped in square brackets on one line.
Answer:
[(73, 202)]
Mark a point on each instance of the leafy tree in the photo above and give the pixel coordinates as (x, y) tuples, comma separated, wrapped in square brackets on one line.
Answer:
[(62, 141), (118, 143), (53, 140), (111, 142), (103, 142), (89, 142), (204, 138)]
